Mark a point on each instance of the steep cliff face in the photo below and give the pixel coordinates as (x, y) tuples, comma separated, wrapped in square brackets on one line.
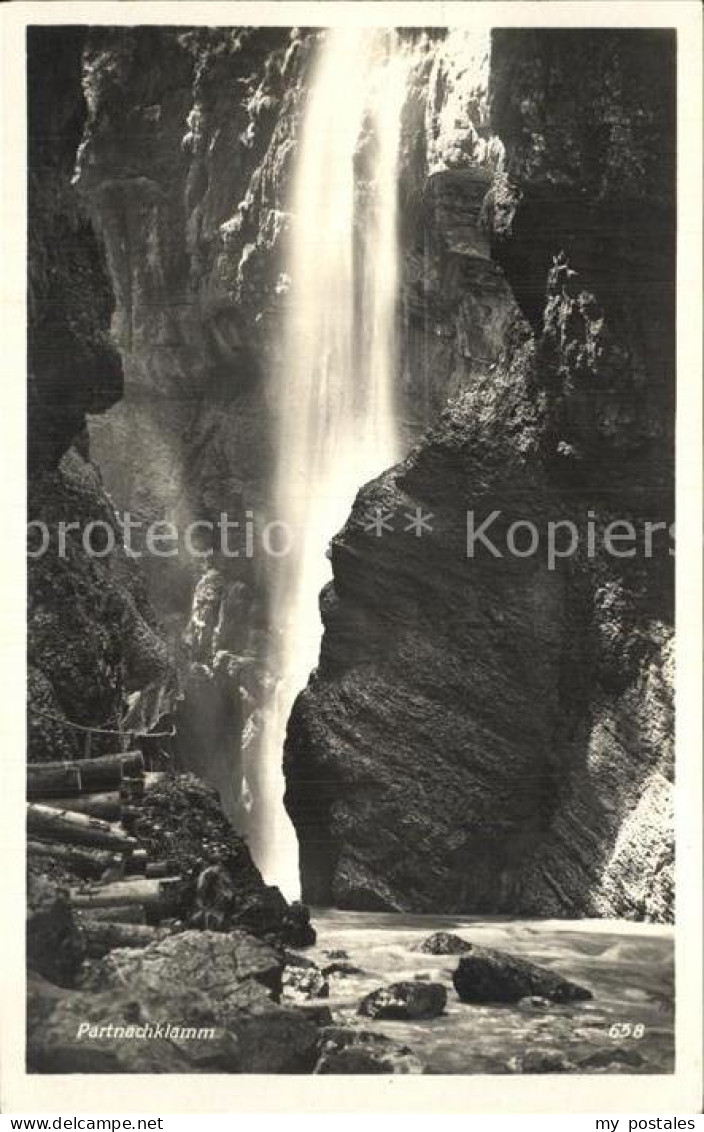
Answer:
[(74, 367), (91, 637), (98, 665), (495, 734), (185, 162)]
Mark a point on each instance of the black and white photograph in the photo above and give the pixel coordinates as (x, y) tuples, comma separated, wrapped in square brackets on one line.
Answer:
[(351, 402)]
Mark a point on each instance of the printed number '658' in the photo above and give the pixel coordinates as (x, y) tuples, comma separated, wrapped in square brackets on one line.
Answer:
[(627, 1030)]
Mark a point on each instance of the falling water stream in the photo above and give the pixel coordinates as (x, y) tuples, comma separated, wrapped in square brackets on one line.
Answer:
[(335, 405)]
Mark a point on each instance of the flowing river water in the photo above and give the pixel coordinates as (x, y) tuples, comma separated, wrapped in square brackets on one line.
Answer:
[(629, 968)]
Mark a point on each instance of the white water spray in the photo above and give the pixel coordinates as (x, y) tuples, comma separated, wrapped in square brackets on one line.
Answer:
[(335, 403)]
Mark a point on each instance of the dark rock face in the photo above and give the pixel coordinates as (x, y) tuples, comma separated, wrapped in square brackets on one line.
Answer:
[(54, 1022), (100, 1033), (494, 733), (610, 1057), (405, 1001), (341, 969), (486, 975), (55, 948), (73, 365), (444, 943), (184, 823), (92, 636), (185, 161), (213, 962), (191, 203)]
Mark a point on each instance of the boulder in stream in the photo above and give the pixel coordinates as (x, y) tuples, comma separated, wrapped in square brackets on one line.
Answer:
[(610, 1057), (348, 1051), (444, 943), (405, 1000), (341, 968), (486, 975), (182, 820)]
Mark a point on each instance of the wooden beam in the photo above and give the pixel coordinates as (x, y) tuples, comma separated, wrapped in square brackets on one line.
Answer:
[(89, 863), (102, 936), (106, 806), (82, 776), (46, 824)]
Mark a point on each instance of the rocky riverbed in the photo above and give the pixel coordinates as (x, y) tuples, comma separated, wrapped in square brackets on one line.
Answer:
[(629, 969), (376, 994)]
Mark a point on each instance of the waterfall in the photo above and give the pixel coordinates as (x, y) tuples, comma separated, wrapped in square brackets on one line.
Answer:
[(335, 395)]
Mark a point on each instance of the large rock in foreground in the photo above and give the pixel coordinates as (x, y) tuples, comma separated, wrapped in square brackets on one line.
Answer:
[(485, 975), (172, 1029), (82, 1032), (405, 1000)]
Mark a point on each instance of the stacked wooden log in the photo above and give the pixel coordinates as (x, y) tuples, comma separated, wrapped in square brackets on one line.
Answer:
[(83, 776), (82, 815)]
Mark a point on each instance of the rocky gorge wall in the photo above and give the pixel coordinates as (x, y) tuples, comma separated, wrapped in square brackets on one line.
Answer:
[(92, 638), (100, 669), (479, 735), (184, 163)]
